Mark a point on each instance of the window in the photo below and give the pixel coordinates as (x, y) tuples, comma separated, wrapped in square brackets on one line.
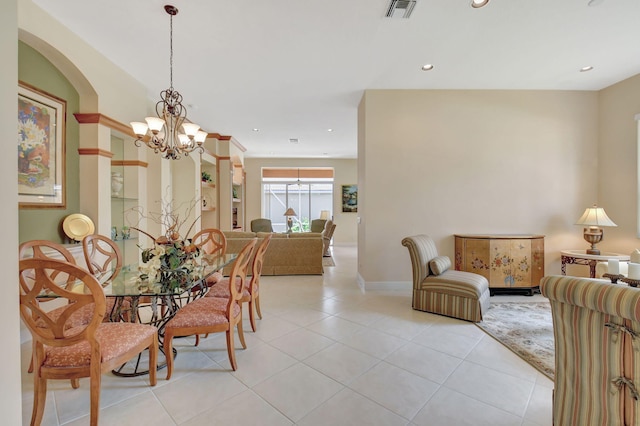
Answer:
[(306, 191)]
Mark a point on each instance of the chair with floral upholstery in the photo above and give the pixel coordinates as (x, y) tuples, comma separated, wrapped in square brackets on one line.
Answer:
[(212, 244), (43, 249), (212, 314), (85, 350), (103, 256), (104, 261), (251, 289)]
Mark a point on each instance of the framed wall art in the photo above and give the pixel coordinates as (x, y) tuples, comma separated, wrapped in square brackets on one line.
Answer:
[(41, 149), (349, 198)]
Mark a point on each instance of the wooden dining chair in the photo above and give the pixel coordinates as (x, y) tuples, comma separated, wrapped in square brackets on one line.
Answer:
[(43, 249), (104, 261), (103, 256), (212, 314), (86, 350), (213, 245), (251, 289)]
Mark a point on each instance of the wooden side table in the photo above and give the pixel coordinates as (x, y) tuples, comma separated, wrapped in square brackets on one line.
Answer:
[(580, 257)]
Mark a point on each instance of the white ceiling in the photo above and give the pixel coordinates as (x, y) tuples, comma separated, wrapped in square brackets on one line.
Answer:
[(296, 68)]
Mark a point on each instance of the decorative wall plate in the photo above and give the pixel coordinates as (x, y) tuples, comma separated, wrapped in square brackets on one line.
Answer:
[(77, 226)]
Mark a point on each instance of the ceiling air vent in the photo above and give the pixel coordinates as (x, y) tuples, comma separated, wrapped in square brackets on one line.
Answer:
[(400, 8)]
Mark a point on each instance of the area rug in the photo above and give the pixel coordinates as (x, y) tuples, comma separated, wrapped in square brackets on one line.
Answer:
[(526, 329), (328, 261)]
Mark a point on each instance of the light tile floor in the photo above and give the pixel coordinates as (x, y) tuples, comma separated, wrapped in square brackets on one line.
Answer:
[(325, 353)]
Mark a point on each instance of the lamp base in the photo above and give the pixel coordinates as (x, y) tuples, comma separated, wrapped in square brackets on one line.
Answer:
[(593, 235)]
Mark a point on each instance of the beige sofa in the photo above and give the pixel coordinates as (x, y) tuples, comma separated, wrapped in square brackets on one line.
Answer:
[(288, 254)]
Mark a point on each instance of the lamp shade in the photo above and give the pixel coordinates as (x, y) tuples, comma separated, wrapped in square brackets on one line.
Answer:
[(190, 129), (324, 214), (139, 128), (290, 212), (595, 216), (155, 123)]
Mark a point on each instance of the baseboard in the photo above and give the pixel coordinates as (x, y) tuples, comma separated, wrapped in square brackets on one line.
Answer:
[(383, 285)]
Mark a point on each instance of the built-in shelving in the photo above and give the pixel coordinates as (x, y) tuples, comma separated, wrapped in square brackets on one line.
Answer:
[(208, 191), (124, 198)]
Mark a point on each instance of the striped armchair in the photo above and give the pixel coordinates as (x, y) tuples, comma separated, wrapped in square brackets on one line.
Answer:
[(596, 326), (439, 289)]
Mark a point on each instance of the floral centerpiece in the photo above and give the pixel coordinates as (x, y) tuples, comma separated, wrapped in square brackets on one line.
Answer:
[(173, 264), (172, 261)]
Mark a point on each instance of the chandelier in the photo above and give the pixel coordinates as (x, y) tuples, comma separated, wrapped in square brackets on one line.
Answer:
[(162, 133)]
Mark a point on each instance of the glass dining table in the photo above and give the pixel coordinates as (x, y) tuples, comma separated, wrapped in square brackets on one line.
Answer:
[(154, 303)]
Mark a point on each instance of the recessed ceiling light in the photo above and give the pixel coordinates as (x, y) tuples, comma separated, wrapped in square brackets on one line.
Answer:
[(427, 67), (293, 140), (479, 3), (256, 129), (329, 130), (585, 69)]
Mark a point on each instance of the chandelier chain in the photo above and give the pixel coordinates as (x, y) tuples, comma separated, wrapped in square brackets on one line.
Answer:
[(171, 51)]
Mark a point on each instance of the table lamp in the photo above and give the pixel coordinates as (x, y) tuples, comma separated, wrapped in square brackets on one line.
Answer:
[(290, 212), (324, 214), (594, 218)]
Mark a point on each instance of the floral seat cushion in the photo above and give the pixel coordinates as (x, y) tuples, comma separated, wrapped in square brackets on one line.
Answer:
[(214, 278), (204, 312), (83, 315), (114, 338), (221, 289)]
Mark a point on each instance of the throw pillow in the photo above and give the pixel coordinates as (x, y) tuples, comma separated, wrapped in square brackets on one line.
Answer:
[(439, 265)]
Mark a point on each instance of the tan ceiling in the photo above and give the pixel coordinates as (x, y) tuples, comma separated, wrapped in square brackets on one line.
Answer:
[(296, 68)]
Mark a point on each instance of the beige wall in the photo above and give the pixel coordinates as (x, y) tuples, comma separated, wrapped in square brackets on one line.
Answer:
[(345, 173), (618, 162), (446, 162), (10, 369)]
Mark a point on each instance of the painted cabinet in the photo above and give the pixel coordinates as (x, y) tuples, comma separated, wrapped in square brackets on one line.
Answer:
[(509, 262)]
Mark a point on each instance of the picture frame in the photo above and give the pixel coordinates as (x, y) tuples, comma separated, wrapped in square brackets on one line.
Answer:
[(350, 198), (41, 149)]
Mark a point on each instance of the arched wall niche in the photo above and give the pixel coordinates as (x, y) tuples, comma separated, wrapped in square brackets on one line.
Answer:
[(88, 95)]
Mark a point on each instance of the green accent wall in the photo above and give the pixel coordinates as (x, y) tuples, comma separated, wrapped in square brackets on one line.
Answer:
[(46, 224)]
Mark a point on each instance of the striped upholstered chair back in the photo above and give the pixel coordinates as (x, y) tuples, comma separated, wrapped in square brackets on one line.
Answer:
[(422, 249), (597, 351)]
